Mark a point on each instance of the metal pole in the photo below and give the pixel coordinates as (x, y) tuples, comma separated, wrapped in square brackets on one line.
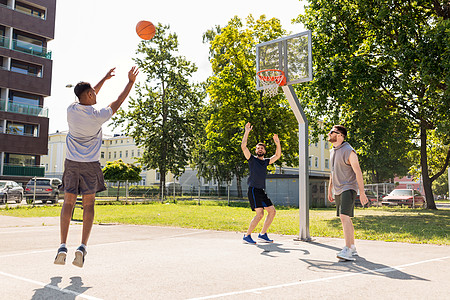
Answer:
[(228, 186), (303, 156), (34, 190)]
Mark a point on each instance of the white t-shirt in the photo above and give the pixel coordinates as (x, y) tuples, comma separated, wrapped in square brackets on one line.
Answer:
[(85, 131)]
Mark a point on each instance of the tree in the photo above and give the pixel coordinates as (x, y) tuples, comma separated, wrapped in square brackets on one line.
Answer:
[(234, 101), (163, 118), (118, 171), (383, 58)]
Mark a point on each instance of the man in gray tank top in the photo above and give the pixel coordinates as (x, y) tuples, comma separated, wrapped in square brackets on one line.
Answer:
[(346, 179)]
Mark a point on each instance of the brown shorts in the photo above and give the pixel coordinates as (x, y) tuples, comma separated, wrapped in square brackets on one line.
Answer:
[(82, 178)]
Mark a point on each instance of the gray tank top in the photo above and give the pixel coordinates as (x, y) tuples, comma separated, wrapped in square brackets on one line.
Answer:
[(343, 176)]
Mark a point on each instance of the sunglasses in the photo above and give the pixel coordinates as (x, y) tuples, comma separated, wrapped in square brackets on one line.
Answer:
[(332, 131)]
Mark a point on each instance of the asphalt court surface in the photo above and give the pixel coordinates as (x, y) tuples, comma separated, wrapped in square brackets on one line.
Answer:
[(147, 262)]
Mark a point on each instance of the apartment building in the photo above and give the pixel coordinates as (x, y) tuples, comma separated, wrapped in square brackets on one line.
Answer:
[(25, 80)]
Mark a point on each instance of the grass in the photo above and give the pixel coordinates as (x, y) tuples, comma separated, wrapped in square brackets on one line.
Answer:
[(386, 224)]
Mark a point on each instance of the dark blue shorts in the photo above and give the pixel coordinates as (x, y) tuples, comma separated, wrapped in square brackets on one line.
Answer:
[(258, 198)]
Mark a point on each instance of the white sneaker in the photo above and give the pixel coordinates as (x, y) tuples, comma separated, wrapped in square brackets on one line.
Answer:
[(346, 254), (354, 252)]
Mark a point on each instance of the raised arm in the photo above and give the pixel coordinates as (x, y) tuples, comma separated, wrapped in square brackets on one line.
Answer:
[(108, 75), (277, 154), (353, 159), (248, 128), (115, 105)]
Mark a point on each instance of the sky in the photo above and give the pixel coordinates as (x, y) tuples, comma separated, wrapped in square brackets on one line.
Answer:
[(92, 37)]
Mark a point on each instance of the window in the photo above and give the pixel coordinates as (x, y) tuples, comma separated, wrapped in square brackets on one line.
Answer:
[(25, 68), (121, 141), (126, 153), (22, 129), (326, 145), (30, 10), (28, 44), (115, 155), (132, 153), (102, 154), (139, 153), (120, 154), (19, 159), (316, 162), (116, 141), (309, 161), (327, 163), (109, 155), (103, 142), (23, 98), (316, 144), (158, 176)]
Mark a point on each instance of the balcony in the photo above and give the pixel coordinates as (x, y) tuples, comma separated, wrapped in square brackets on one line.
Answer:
[(24, 109), (30, 48), (18, 170), (25, 47)]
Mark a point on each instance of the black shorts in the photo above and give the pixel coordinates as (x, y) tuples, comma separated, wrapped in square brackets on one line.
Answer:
[(345, 203), (82, 178), (258, 198)]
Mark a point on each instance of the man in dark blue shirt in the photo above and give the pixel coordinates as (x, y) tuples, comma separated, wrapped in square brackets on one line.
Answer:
[(256, 186)]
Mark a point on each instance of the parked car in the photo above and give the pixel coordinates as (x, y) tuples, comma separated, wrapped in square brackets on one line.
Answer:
[(404, 197), (373, 200), (46, 189), (10, 190)]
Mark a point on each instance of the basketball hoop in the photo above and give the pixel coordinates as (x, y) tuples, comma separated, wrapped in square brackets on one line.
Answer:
[(271, 79)]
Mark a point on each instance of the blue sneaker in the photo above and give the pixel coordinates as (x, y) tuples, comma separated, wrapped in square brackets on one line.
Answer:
[(248, 240), (264, 238)]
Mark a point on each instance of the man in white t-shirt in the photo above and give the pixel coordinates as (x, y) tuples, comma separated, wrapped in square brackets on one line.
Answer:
[(82, 171)]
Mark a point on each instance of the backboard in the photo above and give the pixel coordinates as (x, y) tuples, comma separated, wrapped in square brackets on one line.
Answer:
[(291, 54)]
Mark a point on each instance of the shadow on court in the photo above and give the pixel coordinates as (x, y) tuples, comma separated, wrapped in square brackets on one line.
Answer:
[(54, 291), (276, 248), (360, 266)]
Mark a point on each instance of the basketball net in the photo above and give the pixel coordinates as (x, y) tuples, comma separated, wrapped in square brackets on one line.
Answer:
[(271, 79)]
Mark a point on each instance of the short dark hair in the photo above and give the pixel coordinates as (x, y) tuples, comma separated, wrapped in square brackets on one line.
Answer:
[(341, 129), (261, 144), (81, 87)]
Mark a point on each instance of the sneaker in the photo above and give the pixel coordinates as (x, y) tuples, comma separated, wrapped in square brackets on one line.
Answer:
[(346, 253), (354, 252), (79, 257), (264, 238), (60, 258), (248, 240)]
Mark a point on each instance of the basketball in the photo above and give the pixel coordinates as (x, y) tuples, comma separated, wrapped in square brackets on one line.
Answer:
[(145, 30)]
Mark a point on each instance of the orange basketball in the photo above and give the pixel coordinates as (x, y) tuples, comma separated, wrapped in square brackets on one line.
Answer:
[(145, 30)]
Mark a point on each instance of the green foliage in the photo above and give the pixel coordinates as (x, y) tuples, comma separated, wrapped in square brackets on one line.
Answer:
[(163, 118), (234, 101), (119, 171), (382, 69)]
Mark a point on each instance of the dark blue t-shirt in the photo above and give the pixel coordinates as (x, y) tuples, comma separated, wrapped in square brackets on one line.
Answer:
[(258, 172)]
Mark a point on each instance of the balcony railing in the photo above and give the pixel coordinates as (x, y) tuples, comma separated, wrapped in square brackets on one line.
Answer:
[(24, 109), (30, 48), (25, 47), (4, 42), (18, 170)]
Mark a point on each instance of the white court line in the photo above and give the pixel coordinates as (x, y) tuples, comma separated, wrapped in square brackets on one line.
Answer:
[(257, 290), (53, 287), (99, 245)]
